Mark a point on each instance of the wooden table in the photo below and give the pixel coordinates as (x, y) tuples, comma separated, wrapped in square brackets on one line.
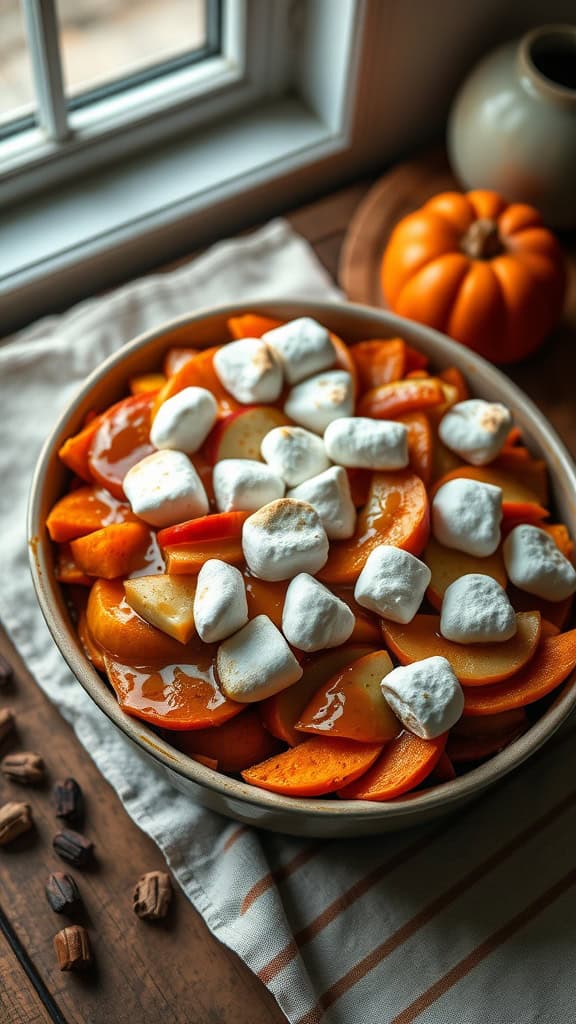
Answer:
[(176, 972)]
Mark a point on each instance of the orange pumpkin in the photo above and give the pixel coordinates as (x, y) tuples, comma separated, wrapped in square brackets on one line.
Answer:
[(487, 273)]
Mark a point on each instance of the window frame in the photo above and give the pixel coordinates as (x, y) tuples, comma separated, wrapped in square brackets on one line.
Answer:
[(180, 188)]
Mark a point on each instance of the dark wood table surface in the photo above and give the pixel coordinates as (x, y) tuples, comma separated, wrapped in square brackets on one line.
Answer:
[(173, 972)]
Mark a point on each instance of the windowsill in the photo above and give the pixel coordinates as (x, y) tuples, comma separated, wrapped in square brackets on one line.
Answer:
[(145, 210)]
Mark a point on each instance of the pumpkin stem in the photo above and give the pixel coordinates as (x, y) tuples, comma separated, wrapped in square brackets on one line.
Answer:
[(482, 240)]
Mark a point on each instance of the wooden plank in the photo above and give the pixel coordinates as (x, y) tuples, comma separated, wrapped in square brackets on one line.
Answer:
[(20, 1003), (175, 972)]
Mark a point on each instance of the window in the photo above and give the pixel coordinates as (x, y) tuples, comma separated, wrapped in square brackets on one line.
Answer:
[(175, 133)]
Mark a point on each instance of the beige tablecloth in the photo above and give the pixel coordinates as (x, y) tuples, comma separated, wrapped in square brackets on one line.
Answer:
[(471, 921)]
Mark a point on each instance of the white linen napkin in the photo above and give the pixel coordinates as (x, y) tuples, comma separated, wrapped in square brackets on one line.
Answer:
[(461, 921)]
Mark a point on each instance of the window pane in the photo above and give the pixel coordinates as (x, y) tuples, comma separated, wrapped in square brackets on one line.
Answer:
[(108, 41), (16, 89)]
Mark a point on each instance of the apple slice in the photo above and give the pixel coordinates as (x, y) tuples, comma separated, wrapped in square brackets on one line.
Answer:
[(165, 602), (220, 526), (281, 712), (351, 704), (175, 695), (474, 664), (239, 435), (447, 565), (313, 768)]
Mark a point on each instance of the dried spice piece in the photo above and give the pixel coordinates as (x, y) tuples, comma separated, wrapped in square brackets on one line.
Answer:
[(24, 766), (72, 947), (152, 895), (73, 847), (7, 723), (68, 801), (14, 820), (62, 893), (6, 672)]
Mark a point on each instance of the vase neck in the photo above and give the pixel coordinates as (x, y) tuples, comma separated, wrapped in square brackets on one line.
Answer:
[(547, 63)]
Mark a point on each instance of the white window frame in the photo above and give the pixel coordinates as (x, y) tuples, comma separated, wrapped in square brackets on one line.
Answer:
[(122, 195)]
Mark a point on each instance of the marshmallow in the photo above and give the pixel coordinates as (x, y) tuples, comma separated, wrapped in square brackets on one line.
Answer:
[(392, 583), (220, 605), (534, 563), (476, 610), (164, 488), (294, 454), (357, 441), (313, 617), (476, 430), (249, 371), (466, 515), (303, 347), (317, 401), (329, 494), (256, 662), (425, 696), (184, 421), (284, 538), (245, 484)]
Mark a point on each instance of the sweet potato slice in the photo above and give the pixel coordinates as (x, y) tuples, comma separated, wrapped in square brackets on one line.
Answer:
[(66, 570), (474, 664), (84, 510), (550, 666), (122, 633), (112, 551), (452, 375), (391, 400), (220, 526), (188, 559), (561, 537), (396, 512), (403, 764), (75, 451), (198, 372), (313, 768), (179, 695), (351, 703), (420, 443), (146, 382), (235, 745), (251, 325), (281, 712), (121, 440), (379, 361), (92, 650), (447, 565)]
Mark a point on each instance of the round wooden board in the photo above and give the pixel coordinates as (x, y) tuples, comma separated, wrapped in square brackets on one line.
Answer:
[(402, 190)]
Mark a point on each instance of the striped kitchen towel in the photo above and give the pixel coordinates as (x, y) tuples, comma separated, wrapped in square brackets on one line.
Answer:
[(467, 921)]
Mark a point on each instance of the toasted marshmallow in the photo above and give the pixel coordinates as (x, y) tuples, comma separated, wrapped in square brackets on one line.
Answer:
[(476, 610), (303, 347), (294, 454), (313, 617), (476, 430), (184, 421), (317, 401), (358, 441), (466, 515), (164, 488), (534, 563), (284, 538), (256, 662), (220, 606), (244, 484), (392, 583), (249, 371), (329, 494), (425, 696)]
